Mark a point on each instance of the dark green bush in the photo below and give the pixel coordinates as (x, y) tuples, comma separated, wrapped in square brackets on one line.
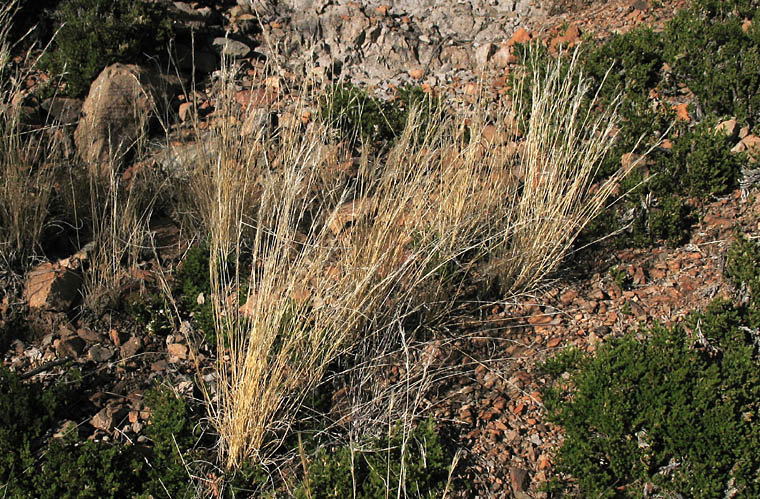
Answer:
[(377, 471), (194, 279), (743, 269), (671, 220), (702, 164), (34, 465), (677, 409), (363, 118), (171, 430), (634, 61), (26, 413), (710, 52), (95, 33), (89, 470)]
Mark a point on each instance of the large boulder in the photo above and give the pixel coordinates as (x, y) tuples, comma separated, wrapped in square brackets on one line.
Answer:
[(115, 113)]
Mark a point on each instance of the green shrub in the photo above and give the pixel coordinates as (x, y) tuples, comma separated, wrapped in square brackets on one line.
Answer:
[(89, 470), (95, 33), (149, 310), (710, 52), (26, 413), (677, 409), (743, 269), (355, 113), (171, 430), (378, 471), (633, 60), (34, 465), (671, 220), (363, 118), (193, 279), (702, 164)]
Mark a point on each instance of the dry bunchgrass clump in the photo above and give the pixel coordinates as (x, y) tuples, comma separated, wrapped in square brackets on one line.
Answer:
[(28, 158), (329, 260)]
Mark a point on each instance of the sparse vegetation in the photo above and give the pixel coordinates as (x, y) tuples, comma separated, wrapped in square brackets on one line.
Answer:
[(95, 33), (327, 241), (672, 409), (414, 464)]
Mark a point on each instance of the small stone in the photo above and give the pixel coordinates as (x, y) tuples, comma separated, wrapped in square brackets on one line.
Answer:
[(99, 353), (177, 350), (483, 54), (131, 347), (730, 128), (417, 74), (88, 335), (185, 111), (159, 365), (116, 337), (552, 343), (519, 479), (73, 346), (568, 297), (231, 48), (752, 144), (103, 420)]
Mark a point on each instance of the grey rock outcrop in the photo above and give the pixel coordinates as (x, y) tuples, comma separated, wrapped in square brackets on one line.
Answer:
[(115, 113)]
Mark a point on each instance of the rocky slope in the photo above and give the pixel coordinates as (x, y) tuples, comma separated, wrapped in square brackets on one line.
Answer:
[(481, 382)]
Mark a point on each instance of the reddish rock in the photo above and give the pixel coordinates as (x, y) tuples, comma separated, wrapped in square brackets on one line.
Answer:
[(682, 112), (730, 128), (177, 350), (116, 337), (89, 335), (99, 353), (752, 146), (568, 297), (554, 342), (256, 98), (185, 111), (52, 286), (103, 420), (521, 35)]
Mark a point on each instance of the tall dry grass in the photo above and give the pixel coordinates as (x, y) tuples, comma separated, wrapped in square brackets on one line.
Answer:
[(330, 260), (29, 157)]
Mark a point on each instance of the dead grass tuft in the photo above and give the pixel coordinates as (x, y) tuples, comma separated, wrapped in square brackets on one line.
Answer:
[(328, 261)]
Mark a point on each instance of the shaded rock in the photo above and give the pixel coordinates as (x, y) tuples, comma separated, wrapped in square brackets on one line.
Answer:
[(230, 48), (483, 54), (52, 286), (73, 346), (100, 353), (115, 113), (730, 128), (62, 110), (519, 479), (88, 335), (131, 347)]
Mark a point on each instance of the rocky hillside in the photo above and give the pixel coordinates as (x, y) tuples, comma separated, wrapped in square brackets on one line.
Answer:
[(144, 142)]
